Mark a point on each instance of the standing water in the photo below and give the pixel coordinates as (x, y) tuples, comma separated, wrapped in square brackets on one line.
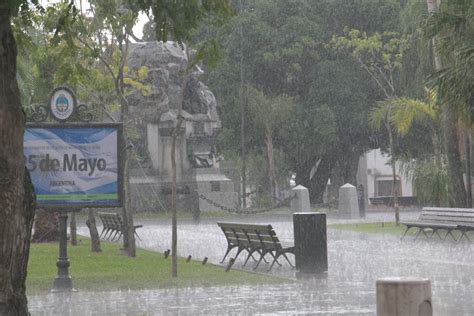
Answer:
[(356, 261)]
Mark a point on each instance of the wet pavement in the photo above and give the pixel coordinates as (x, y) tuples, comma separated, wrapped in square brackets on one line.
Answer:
[(356, 261)]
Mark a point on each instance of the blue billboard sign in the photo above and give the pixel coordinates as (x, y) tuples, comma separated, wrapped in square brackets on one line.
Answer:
[(77, 166)]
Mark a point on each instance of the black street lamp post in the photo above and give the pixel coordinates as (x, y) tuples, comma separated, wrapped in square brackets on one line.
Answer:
[(63, 281)]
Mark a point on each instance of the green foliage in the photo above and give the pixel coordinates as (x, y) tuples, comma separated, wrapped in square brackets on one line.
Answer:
[(269, 111), (453, 27), (380, 54), (429, 179), (278, 48), (179, 17), (400, 113)]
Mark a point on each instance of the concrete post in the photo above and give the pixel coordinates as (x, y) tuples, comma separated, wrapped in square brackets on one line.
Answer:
[(300, 202), (311, 255), (404, 297), (348, 204)]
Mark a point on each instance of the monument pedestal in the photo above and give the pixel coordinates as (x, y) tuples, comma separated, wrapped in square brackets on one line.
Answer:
[(214, 186)]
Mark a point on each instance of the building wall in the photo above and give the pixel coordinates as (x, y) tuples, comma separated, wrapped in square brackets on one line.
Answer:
[(378, 169)]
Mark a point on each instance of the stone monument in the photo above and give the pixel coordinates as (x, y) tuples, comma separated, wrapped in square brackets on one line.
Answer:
[(154, 117)]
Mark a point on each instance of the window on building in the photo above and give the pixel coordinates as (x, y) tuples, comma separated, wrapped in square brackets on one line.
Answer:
[(384, 187)]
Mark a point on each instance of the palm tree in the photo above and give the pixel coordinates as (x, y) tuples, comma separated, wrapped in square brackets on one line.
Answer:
[(397, 115), (450, 27), (453, 26)]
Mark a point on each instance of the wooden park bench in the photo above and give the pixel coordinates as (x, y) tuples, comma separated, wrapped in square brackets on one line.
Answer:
[(255, 239), (435, 219), (113, 226)]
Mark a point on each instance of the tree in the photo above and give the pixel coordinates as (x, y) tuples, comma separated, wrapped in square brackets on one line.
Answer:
[(380, 55), (178, 19), (452, 23), (17, 200), (16, 194), (398, 115), (284, 53), (450, 28), (73, 46), (269, 113)]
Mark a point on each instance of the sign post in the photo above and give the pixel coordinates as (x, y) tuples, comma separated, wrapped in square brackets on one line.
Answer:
[(73, 164)]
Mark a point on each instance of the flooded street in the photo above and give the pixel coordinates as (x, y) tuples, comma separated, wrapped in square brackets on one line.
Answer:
[(356, 261)]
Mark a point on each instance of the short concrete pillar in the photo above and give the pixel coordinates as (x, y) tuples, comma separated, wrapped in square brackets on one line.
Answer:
[(311, 254), (404, 297), (300, 201), (348, 203)]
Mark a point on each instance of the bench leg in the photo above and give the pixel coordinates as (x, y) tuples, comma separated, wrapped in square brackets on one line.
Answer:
[(138, 236), (450, 233), (119, 233), (276, 258), (406, 230), (426, 235), (262, 255), (103, 230), (238, 252), (419, 232), (271, 266), (464, 233), (108, 232), (248, 257), (436, 231), (229, 248), (289, 262)]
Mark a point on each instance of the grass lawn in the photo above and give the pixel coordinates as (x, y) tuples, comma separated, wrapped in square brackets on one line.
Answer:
[(110, 270), (375, 228)]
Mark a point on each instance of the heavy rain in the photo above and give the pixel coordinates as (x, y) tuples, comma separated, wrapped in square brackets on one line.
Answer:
[(236, 157)]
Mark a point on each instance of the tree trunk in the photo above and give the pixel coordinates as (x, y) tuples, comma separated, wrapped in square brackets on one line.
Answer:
[(303, 171), (393, 161), (271, 163), (95, 238), (46, 226), (17, 198), (436, 144), (437, 154), (73, 229), (319, 181), (346, 167), (128, 216), (174, 221), (128, 232), (468, 165), (457, 191)]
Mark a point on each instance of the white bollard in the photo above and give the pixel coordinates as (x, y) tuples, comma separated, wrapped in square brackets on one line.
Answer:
[(404, 297), (348, 203), (300, 201)]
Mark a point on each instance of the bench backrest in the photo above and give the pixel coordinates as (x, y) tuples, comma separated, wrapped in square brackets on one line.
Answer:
[(444, 215), (111, 220), (250, 235)]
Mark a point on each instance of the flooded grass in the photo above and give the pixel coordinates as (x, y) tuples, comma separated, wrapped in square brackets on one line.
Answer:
[(374, 228), (392, 229), (110, 270)]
